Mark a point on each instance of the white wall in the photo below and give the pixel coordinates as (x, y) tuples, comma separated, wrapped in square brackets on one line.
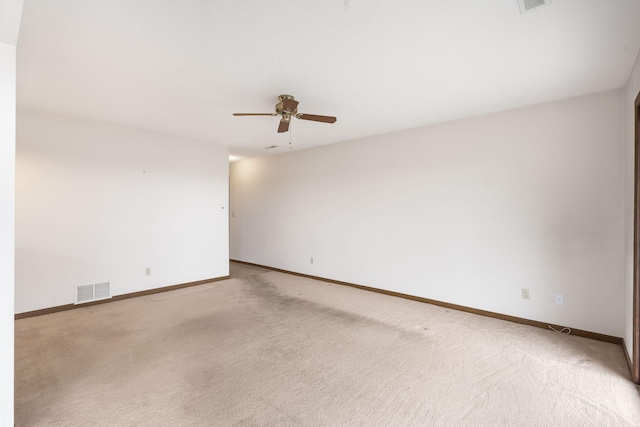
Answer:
[(631, 91), (97, 202), (10, 16), (7, 170), (466, 212)]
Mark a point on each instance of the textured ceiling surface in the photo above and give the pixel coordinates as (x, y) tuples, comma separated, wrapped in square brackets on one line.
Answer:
[(10, 12), (183, 67)]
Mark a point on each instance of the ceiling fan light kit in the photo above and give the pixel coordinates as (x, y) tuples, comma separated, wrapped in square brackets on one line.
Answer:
[(286, 108)]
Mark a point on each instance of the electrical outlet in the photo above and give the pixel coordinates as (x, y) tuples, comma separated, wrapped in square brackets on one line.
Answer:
[(147, 271), (311, 260), (559, 299), (526, 294)]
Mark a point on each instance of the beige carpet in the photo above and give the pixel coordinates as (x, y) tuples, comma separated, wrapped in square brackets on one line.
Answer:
[(266, 348)]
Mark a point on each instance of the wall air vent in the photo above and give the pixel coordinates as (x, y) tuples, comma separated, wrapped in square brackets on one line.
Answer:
[(95, 292), (529, 5)]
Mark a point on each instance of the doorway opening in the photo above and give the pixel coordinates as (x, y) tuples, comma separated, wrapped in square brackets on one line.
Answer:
[(635, 358)]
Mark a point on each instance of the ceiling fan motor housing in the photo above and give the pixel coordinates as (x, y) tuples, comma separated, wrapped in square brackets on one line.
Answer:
[(287, 106)]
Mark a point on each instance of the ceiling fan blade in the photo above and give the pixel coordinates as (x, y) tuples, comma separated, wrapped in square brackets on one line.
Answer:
[(290, 105), (316, 118), (254, 114), (283, 126)]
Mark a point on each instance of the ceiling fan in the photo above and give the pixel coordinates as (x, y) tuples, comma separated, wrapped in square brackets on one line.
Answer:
[(287, 108)]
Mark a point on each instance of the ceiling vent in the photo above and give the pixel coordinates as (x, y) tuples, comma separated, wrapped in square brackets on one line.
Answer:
[(529, 5), (95, 292)]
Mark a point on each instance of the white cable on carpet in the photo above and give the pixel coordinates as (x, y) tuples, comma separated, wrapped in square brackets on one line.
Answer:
[(562, 331)]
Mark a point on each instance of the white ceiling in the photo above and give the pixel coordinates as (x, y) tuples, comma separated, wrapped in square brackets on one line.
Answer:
[(183, 67), (10, 12)]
